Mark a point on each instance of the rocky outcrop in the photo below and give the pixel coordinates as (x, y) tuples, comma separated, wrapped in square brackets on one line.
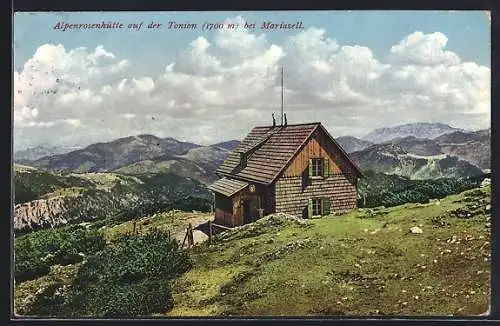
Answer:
[(54, 211), (42, 212)]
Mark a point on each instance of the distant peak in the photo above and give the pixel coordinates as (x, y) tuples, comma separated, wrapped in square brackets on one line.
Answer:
[(147, 136), (427, 130), (171, 140)]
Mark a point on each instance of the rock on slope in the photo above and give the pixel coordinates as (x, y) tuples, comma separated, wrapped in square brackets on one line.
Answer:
[(343, 265)]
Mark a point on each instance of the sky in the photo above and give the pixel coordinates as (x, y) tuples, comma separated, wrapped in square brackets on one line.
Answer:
[(354, 71)]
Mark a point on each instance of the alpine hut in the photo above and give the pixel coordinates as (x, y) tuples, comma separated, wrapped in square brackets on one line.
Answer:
[(297, 169)]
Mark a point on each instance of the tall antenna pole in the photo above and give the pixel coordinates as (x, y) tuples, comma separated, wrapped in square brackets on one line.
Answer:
[(282, 95)]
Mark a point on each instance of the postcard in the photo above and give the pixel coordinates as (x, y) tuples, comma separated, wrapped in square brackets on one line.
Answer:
[(254, 163)]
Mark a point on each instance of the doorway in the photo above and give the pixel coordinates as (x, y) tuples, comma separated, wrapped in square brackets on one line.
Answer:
[(247, 211)]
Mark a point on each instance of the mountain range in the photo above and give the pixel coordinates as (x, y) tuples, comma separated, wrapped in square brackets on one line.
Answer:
[(473, 148), (419, 130), (104, 178), (34, 153), (419, 151), (392, 158)]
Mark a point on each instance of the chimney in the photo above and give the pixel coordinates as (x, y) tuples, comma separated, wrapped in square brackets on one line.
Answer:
[(274, 121), (243, 159), (286, 122)]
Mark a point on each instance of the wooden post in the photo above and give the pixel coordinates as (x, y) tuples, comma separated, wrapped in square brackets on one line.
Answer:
[(212, 206), (134, 225), (190, 232), (209, 231), (183, 241)]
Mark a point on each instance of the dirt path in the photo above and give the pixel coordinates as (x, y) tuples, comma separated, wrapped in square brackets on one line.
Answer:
[(197, 220), (176, 222)]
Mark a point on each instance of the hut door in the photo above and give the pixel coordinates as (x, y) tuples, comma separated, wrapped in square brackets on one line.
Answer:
[(247, 211)]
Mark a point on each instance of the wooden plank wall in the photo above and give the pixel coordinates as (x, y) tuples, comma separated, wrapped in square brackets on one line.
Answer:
[(223, 210), (293, 192), (223, 217), (319, 146), (222, 202), (269, 199), (237, 210), (292, 197), (229, 211)]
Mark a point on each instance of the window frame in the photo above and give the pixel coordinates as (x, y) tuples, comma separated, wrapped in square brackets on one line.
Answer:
[(317, 167), (316, 203)]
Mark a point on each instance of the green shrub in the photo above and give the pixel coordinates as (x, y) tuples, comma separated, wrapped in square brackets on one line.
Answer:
[(129, 277), (379, 189), (23, 193), (35, 252)]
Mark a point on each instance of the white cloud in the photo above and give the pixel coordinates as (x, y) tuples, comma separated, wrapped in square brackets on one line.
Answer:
[(129, 116), (217, 89), (424, 49), (239, 41)]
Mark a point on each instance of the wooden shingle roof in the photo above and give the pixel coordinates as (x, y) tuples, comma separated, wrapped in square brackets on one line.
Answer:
[(269, 150), (227, 187), (275, 147)]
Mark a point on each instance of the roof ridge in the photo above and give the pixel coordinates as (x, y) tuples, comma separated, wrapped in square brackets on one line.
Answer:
[(291, 125), (264, 139)]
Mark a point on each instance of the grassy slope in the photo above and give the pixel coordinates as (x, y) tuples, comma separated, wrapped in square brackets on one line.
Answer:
[(349, 265)]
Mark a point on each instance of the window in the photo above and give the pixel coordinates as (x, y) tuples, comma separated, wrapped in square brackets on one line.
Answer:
[(317, 167), (316, 206)]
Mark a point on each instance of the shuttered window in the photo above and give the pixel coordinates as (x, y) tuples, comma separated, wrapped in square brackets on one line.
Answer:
[(325, 206), (326, 167), (319, 167), (318, 207)]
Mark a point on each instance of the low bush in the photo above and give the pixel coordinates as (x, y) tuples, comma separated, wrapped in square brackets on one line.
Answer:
[(129, 277), (36, 252)]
